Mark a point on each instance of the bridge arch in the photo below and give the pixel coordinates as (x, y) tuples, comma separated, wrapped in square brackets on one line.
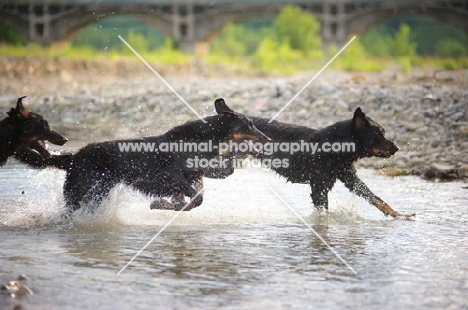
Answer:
[(75, 23), (362, 22), (212, 23)]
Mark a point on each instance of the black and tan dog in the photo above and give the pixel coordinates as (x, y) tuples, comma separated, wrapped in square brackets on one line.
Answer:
[(322, 169), (23, 129), (96, 168)]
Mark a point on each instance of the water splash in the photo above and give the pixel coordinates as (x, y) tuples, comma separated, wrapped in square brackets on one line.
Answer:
[(41, 203)]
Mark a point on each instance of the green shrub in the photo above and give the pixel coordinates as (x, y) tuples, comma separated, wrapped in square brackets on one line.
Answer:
[(229, 41), (9, 36), (451, 48), (354, 58), (300, 28)]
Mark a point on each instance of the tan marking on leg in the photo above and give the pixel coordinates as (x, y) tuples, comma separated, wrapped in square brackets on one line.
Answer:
[(385, 208)]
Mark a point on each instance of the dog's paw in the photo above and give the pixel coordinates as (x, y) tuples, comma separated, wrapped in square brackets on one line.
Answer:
[(407, 217), (162, 204), (410, 217), (184, 206)]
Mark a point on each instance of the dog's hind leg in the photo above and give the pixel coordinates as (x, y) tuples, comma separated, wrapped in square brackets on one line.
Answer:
[(85, 193), (73, 193), (162, 204)]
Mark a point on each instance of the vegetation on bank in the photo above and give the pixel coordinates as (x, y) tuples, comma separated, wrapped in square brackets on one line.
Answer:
[(288, 43)]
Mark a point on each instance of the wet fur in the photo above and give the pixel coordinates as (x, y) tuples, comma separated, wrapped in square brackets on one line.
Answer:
[(322, 170), (96, 168)]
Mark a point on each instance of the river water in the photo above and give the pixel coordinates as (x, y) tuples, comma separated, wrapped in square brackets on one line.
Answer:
[(243, 248)]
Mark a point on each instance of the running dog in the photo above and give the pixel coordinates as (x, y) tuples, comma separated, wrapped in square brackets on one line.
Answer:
[(322, 169), (96, 168)]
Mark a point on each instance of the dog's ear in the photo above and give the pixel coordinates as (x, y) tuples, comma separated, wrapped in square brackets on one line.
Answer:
[(20, 110), (221, 106), (360, 120), (11, 113)]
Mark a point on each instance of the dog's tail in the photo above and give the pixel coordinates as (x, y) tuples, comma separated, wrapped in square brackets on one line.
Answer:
[(35, 160)]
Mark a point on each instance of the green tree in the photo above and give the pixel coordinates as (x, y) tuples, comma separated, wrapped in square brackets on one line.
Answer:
[(279, 57), (377, 43), (450, 48), (8, 35), (403, 48), (137, 41), (402, 44), (265, 56), (229, 42), (242, 39), (300, 28), (355, 58)]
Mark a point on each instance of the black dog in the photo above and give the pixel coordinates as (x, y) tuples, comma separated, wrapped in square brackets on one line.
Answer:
[(22, 130), (95, 169), (363, 137)]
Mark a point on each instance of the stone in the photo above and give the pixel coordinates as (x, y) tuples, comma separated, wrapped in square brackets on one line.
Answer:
[(24, 290), (393, 171), (462, 172), (318, 103), (439, 170), (463, 131), (412, 126)]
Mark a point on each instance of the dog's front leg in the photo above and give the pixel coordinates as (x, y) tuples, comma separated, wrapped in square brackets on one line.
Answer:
[(196, 199), (357, 186), (185, 189)]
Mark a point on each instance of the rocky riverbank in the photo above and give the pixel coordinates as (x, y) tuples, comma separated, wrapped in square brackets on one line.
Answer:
[(96, 100)]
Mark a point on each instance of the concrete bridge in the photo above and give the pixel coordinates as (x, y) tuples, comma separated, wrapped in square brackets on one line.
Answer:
[(191, 22)]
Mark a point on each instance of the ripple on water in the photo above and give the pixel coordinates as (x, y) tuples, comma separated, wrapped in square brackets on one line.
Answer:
[(242, 249)]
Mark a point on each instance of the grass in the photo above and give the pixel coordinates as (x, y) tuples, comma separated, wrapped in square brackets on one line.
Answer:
[(161, 56), (445, 63), (281, 61)]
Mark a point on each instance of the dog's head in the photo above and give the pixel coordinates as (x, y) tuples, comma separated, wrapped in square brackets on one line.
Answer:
[(239, 126), (372, 136), (33, 129)]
